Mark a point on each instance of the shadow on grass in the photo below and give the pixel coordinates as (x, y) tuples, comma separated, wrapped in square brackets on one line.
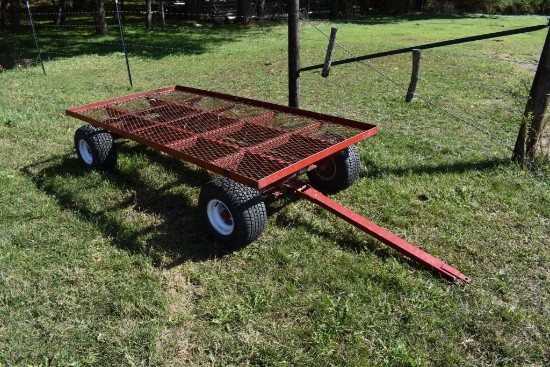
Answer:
[(377, 171), (178, 236), (77, 38), (393, 19), (180, 36), (175, 237)]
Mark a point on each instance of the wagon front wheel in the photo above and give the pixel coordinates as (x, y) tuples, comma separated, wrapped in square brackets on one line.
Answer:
[(233, 213), (95, 148), (339, 172)]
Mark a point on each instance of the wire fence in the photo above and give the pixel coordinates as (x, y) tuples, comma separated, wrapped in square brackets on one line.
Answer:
[(426, 100), (75, 36), (502, 137)]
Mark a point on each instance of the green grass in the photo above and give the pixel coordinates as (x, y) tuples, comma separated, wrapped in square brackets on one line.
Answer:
[(111, 269)]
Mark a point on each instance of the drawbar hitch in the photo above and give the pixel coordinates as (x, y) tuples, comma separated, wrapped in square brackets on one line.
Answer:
[(381, 234)]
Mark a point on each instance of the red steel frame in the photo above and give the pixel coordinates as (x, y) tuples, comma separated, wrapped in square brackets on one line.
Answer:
[(279, 169), (251, 149)]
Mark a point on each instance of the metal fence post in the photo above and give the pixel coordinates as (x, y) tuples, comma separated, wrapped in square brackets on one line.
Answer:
[(35, 39), (123, 44)]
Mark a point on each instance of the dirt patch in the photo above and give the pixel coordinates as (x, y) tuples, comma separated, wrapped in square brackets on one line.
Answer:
[(503, 56), (494, 103), (175, 343), (176, 346), (528, 66)]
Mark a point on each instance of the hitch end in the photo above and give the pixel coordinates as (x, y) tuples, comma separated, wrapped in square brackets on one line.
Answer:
[(454, 275)]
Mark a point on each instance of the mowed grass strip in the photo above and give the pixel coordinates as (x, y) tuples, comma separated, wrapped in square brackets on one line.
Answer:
[(115, 268)]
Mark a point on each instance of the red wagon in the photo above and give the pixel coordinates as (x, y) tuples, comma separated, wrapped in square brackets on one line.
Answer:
[(255, 147)]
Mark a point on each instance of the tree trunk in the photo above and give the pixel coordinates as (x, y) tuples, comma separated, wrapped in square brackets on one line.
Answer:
[(260, 9), (334, 8), (307, 9), (535, 109), (193, 8), (15, 18), (63, 12), (60, 11), (99, 18), (79, 5), (3, 13), (162, 14), (243, 11), (149, 14)]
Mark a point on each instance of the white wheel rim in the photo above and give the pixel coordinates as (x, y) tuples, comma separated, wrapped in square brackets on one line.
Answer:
[(220, 217), (85, 152)]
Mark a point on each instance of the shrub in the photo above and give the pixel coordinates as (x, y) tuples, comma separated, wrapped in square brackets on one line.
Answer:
[(489, 6)]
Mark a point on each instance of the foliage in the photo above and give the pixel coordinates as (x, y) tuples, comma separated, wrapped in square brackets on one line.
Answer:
[(244, 10), (490, 6)]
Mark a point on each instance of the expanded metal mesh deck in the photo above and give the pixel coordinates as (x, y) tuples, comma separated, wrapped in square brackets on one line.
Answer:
[(252, 142)]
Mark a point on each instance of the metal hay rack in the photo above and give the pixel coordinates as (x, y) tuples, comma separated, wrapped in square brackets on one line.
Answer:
[(256, 147)]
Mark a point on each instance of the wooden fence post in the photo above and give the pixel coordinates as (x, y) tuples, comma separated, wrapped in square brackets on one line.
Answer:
[(535, 108), (293, 53), (414, 75), (330, 50)]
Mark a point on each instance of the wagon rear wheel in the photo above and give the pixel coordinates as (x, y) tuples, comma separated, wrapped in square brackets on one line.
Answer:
[(339, 172), (95, 148), (233, 213)]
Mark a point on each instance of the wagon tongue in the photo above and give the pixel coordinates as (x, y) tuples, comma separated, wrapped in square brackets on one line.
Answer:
[(381, 234)]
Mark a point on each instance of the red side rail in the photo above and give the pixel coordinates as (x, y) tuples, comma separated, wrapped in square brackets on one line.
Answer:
[(381, 234)]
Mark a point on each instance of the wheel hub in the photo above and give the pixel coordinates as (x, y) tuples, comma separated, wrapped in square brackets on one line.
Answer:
[(326, 171), (220, 217)]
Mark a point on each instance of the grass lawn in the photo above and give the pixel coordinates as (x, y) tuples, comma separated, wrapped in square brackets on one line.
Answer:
[(115, 269)]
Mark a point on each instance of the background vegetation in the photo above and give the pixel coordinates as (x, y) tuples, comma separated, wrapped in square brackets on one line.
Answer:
[(489, 6), (12, 11), (114, 269)]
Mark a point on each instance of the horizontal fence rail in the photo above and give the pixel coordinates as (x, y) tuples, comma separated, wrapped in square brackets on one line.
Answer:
[(429, 46)]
